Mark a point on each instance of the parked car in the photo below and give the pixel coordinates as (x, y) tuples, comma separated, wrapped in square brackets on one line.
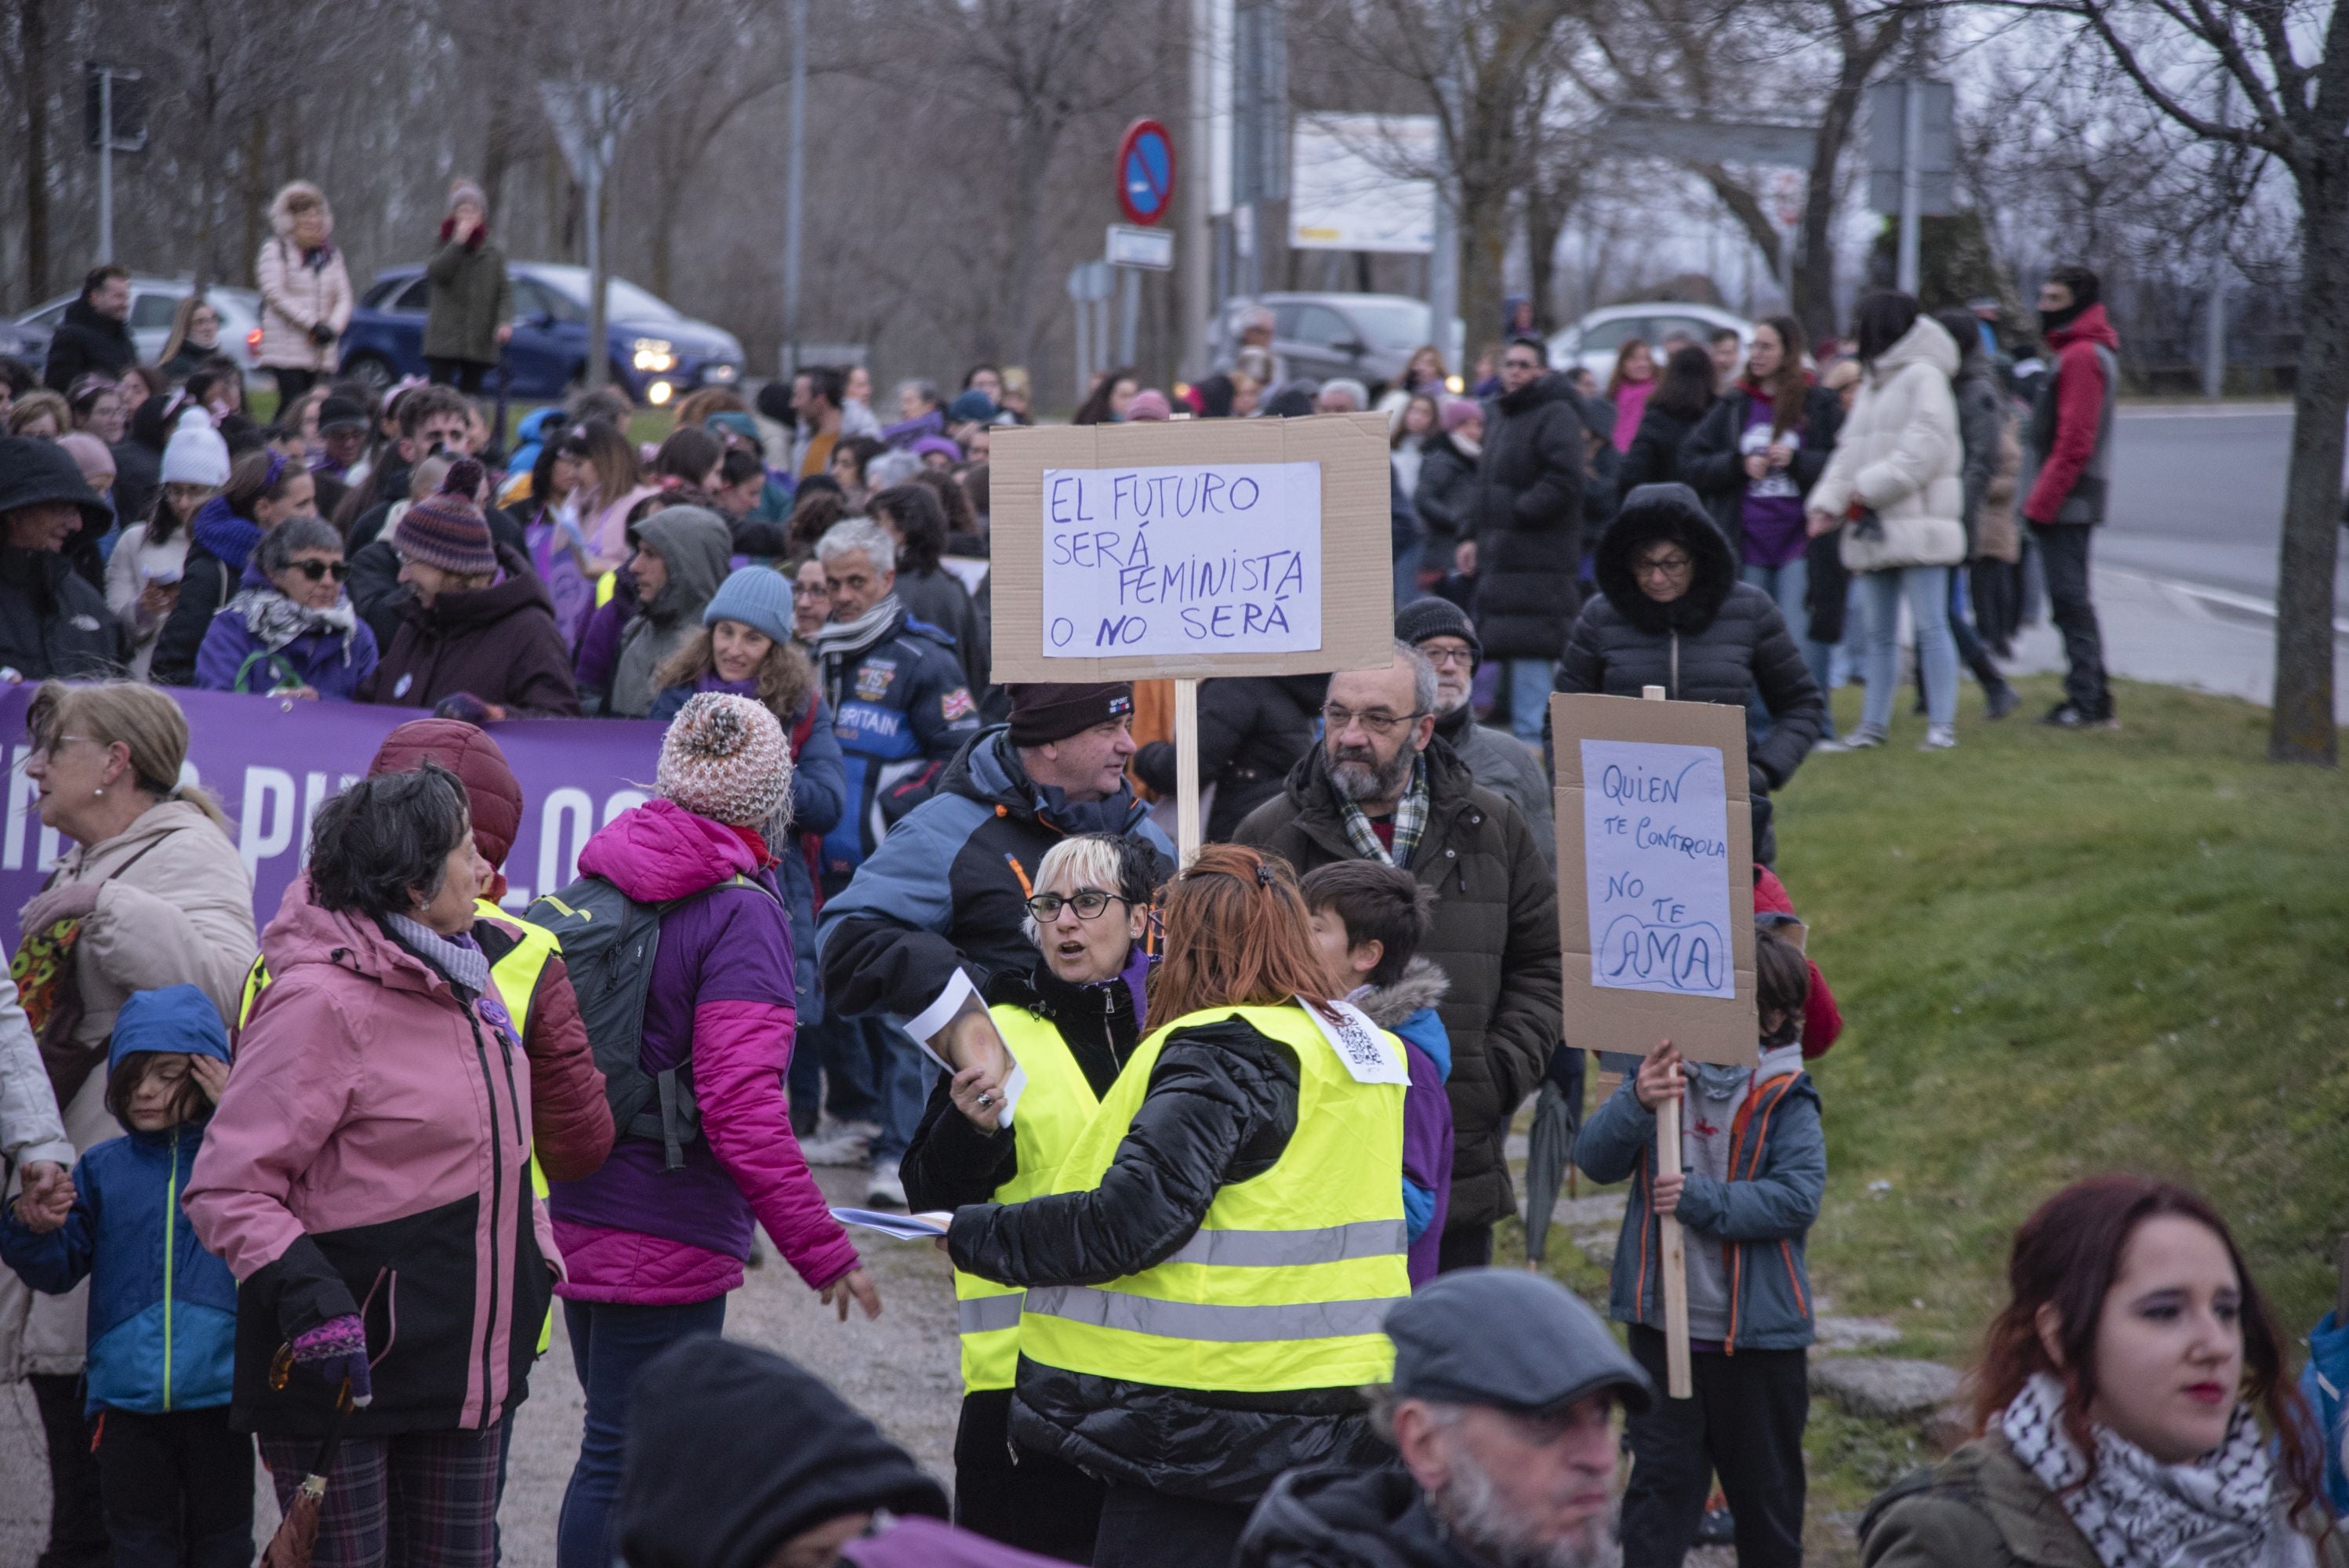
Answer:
[(152, 303), (1593, 341), (1368, 337), (656, 351)]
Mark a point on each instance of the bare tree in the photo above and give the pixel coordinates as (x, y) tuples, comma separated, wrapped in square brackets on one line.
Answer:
[(2284, 65)]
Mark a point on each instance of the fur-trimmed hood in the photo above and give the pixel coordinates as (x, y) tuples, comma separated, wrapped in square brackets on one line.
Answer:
[(281, 210), (1423, 985)]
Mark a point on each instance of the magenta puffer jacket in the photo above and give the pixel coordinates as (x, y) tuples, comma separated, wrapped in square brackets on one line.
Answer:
[(721, 991)]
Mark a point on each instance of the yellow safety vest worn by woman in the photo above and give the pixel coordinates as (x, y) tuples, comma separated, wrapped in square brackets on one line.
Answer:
[(1055, 1107), (1207, 1278)]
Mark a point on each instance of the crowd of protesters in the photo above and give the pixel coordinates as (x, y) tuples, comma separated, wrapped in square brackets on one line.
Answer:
[(1226, 1144)]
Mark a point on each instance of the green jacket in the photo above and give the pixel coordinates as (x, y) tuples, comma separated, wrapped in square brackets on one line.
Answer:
[(471, 299), (1980, 1508)]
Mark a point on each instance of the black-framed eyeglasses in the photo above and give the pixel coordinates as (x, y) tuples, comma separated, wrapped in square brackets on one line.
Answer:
[(1377, 720), (1441, 658), (1662, 566), (316, 571), (1088, 902)]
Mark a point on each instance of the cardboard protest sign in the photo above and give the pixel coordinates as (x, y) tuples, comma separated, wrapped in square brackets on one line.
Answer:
[(1655, 875), (1191, 548)]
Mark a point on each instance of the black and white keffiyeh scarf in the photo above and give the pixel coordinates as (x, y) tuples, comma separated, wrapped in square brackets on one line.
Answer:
[(2219, 1511)]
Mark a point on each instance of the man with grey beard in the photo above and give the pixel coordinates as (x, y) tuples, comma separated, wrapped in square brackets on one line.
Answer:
[(1502, 1411), (1380, 787)]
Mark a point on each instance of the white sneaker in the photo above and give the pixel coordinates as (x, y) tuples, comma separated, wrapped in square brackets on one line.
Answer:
[(886, 1188), (1828, 746), (841, 1143), (1865, 737), (1938, 738)]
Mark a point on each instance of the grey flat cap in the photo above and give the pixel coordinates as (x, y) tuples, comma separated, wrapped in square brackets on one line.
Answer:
[(1508, 1338)]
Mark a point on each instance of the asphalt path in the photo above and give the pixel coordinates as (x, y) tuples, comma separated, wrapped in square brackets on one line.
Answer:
[(2198, 496)]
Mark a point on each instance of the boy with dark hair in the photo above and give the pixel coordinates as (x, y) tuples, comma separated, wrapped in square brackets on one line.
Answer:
[(1753, 1163), (1368, 922)]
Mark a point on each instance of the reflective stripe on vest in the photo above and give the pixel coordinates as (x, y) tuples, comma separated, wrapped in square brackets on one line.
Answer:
[(1053, 1110), (1290, 1276)]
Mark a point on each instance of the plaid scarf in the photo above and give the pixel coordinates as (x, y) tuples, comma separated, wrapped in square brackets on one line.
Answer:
[(1410, 821)]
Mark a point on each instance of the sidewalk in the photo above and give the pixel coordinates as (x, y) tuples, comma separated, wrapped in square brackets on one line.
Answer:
[(2184, 635)]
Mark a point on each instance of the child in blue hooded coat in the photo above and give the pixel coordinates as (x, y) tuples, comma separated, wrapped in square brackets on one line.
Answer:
[(177, 1483), (1368, 922)]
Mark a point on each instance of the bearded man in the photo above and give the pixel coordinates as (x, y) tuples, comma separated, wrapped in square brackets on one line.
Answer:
[(1380, 787), (1503, 1413)]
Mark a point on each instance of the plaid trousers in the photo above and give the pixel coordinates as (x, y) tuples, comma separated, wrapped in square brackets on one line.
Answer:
[(419, 1500)]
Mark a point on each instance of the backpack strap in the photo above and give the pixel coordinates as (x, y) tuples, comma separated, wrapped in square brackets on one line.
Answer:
[(678, 1122)]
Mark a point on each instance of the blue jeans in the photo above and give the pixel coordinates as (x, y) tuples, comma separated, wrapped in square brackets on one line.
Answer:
[(1529, 687), (843, 1049), (610, 1344), (1789, 588), (1926, 589), (904, 1089)]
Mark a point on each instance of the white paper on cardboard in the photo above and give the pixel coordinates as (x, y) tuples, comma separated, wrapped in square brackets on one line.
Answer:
[(1208, 558), (1655, 826)]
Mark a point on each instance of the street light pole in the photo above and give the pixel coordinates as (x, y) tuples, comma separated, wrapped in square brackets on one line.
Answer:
[(794, 178), (1912, 182), (105, 165)]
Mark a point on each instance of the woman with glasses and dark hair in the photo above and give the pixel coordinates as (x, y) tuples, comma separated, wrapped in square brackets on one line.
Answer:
[(1205, 1277), (1071, 1022), (290, 630)]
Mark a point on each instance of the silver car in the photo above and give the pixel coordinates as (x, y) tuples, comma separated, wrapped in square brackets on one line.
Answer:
[(152, 303), (1368, 337)]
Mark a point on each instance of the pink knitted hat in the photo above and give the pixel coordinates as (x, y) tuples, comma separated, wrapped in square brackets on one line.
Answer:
[(725, 757)]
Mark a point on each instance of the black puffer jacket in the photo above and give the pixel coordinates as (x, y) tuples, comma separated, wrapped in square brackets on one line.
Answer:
[(1348, 1519), (1445, 497), (53, 624), (1496, 936), (1655, 454), (951, 1162), (1529, 522), (1252, 730), (1722, 641), (1712, 465), (85, 342), (1220, 1110)]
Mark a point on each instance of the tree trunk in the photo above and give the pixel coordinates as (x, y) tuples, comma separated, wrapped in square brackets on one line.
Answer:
[(1483, 246), (2301, 728), (37, 150)]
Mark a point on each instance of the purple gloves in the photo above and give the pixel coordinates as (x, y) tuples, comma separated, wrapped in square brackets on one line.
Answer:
[(335, 1350)]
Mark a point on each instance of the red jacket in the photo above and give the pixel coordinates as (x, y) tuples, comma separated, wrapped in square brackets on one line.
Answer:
[(2079, 408), (1822, 1022)]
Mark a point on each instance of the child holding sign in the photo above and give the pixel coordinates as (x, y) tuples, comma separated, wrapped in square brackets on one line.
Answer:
[(1755, 1163)]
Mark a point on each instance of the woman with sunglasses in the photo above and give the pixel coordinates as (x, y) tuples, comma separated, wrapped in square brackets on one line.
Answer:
[(290, 630), (1071, 1022)]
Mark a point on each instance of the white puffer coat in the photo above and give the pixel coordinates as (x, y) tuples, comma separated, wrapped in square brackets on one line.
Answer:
[(296, 296), (1900, 452)]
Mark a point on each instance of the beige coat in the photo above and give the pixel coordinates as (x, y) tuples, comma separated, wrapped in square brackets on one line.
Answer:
[(181, 913), (1900, 453), (296, 297)]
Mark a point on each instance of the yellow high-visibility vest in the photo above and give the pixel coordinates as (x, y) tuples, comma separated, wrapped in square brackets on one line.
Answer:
[(516, 978), (1290, 1276), (1053, 1110)]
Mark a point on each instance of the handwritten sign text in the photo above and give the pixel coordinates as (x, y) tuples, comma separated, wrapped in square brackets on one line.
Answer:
[(1656, 849)]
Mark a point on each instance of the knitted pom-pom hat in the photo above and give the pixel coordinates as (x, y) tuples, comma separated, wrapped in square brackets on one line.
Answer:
[(725, 757), (446, 528)]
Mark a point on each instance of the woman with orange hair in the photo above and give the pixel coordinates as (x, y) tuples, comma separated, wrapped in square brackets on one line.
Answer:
[(1206, 1282)]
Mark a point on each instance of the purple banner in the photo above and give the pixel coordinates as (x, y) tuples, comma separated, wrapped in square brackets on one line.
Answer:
[(271, 761)]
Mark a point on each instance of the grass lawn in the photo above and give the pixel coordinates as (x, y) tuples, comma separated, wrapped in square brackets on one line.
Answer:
[(2058, 954)]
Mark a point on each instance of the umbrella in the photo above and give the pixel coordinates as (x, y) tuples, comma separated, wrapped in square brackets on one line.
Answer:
[(297, 1532), (1548, 1150)]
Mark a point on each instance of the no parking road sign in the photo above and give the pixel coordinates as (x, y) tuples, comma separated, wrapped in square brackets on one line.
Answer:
[(1145, 171)]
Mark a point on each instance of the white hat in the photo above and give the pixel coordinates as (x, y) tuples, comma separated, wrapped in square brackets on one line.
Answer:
[(195, 455)]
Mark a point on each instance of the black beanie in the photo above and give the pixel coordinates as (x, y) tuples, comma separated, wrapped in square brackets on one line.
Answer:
[(1045, 711), (733, 1451), (1433, 618)]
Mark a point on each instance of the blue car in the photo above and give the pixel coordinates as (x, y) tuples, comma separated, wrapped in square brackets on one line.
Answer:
[(655, 351)]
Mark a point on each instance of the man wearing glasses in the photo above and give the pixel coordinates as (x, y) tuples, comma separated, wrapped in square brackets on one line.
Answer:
[(1526, 550), (1381, 788), (1497, 760)]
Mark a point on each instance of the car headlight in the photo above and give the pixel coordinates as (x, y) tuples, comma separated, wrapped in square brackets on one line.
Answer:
[(659, 393), (653, 353)]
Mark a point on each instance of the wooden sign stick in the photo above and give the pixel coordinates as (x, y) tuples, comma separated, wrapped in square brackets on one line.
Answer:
[(1673, 1263), (1186, 771)]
